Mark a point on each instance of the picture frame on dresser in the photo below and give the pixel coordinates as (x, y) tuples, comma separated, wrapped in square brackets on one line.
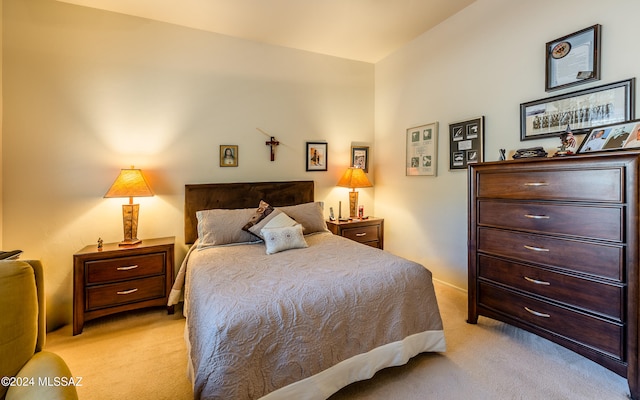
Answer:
[(466, 143), (573, 59), (422, 150), (622, 136), (581, 110)]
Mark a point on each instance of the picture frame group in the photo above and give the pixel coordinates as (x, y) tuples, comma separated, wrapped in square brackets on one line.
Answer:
[(422, 150), (620, 136)]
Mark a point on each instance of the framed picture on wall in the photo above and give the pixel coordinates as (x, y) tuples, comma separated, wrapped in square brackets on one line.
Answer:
[(581, 110), (360, 157), (573, 59), (466, 142), (316, 156), (422, 150), (228, 155)]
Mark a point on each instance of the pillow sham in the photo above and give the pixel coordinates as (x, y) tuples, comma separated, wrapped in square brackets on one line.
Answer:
[(310, 215), (218, 227), (281, 239)]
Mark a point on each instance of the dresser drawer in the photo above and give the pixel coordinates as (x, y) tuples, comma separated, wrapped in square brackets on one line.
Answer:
[(363, 233), (598, 297), (599, 334), (125, 292), (560, 184), (123, 268), (571, 255), (603, 222)]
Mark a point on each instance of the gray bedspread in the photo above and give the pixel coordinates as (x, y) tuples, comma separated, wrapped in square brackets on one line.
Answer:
[(258, 322)]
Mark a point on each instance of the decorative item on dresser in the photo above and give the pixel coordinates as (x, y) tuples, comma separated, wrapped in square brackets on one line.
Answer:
[(553, 249), (113, 279), (369, 231)]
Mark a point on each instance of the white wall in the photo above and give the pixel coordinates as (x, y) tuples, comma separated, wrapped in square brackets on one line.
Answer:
[(88, 92), (484, 61)]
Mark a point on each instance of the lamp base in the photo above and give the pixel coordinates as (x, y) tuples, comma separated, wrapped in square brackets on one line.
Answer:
[(130, 224), (353, 204), (132, 242)]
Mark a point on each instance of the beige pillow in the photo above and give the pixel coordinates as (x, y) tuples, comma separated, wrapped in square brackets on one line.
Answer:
[(310, 215), (218, 227), (281, 239)]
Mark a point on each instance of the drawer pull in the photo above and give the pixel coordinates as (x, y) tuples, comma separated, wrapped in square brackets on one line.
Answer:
[(536, 184), (130, 267), (536, 216), (537, 282), (124, 292), (535, 248), (361, 234), (537, 314)]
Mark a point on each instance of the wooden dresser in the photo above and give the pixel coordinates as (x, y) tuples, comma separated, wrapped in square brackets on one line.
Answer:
[(121, 278), (553, 249)]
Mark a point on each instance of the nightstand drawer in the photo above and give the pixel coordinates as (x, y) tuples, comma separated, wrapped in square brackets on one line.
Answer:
[(363, 233), (125, 292), (118, 269)]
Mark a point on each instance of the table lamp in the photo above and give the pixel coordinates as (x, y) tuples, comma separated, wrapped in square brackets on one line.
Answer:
[(354, 178), (130, 183)]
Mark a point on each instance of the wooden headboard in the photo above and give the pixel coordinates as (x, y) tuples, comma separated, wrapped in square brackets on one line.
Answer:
[(240, 195)]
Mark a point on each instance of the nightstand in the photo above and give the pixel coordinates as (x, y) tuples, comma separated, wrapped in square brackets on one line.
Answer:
[(368, 231), (121, 278)]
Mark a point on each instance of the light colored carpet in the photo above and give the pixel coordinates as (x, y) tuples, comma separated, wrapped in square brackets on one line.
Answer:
[(142, 355)]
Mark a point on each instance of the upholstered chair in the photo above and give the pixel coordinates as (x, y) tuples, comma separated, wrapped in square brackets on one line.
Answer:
[(26, 371)]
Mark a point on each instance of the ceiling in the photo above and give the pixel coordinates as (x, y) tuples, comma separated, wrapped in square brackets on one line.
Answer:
[(364, 30)]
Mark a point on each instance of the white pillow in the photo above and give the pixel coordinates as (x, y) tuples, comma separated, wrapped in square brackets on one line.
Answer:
[(277, 219), (280, 239)]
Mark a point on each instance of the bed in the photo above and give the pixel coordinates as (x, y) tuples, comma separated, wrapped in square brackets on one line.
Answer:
[(299, 321)]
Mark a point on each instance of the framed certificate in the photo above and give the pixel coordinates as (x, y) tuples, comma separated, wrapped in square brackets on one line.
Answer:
[(573, 59)]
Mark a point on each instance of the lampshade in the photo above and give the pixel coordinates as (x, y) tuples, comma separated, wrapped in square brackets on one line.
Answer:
[(354, 178), (130, 183)]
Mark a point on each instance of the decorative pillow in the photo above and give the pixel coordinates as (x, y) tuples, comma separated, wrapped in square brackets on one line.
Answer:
[(277, 219), (280, 239), (218, 227), (263, 210), (310, 215)]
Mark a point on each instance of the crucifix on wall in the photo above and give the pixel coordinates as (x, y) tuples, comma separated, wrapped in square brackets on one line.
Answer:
[(273, 143)]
